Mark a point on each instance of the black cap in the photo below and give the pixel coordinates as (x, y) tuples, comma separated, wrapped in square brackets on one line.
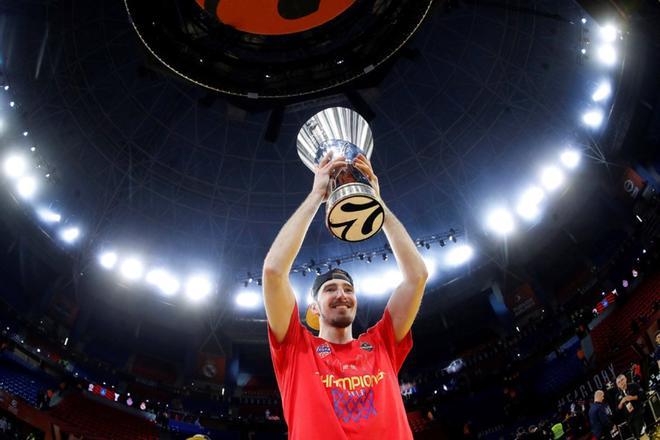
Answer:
[(333, 274)]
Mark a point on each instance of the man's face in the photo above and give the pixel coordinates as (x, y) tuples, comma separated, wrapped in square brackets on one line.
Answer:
[(657, 339), (336, 303), (622, 382)]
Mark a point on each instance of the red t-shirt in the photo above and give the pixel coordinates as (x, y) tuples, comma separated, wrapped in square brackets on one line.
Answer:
[(341, 391)]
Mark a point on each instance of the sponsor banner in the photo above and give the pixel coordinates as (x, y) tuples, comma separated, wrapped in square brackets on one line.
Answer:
[(275, 17), (633, 184), (586, 390), (522, 300), (211, 367)]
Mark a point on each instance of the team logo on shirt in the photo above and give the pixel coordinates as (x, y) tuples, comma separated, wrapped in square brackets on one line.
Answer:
[(366, 346), (323, 350)]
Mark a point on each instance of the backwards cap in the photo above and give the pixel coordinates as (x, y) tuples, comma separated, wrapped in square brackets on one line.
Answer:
[(333, 274)]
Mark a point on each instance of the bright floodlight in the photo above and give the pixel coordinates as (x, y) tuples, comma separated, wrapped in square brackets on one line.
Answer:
[(459, 255), (528, 205), (374, 286), (15, 166), (609, 33), (552, 178), (198, 287), (49, 216), (603, 91), (26, 187), (132, 269), (430, 264), (593, 118), (393, 277), (607, 54), (160, 278), (584, 20), (570, 158), (248, 299), (108, 259), (500, 221), (70, 234)]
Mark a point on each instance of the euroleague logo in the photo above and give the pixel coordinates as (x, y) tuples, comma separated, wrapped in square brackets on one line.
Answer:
[(356, 218), (275, 17)]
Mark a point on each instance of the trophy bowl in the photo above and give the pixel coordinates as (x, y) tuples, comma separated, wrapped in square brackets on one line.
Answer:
[(353, 210)]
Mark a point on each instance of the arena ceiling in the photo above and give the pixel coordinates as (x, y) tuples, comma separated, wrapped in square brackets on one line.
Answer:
[(158, 157)]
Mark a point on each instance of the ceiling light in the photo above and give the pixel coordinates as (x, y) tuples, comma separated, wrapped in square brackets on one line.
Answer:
[(248, 299), (609, 33), (198, 287), (593, 118), (570, 158), (26, 187), (607, 54), (374, 286), (552, 178), (167, 283), (603, 91), (70, 234), (459, 255), (15, 166), (584, 20), (500, 221), (49, 216), (528, 206), (132, 269), (108, 260)]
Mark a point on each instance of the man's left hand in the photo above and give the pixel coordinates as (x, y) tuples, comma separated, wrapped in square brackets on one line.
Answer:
[(363, 164)]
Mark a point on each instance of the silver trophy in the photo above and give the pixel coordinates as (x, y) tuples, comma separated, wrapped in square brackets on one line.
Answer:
[(353, 211)]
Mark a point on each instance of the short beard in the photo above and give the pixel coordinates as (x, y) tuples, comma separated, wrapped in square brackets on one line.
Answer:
[(341, 322)]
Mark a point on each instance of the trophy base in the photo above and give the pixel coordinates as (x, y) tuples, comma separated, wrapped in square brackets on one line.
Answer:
[(354, 213)]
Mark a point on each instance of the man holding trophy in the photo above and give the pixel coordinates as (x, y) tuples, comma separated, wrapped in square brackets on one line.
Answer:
[(335, 386)]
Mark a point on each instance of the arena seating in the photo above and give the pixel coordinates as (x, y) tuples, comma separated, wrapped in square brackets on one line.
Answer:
[(612, 338), (22, 382), (82, 416), (417, 421)]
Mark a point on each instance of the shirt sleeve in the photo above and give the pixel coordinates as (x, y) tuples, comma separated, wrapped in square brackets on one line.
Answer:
[(384, 331), (282, 352)]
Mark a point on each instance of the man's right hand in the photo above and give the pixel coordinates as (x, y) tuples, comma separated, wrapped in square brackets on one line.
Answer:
[(327, 168)]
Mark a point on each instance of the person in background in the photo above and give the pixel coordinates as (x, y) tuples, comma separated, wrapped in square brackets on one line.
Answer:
[(630, 404), (600, 417)]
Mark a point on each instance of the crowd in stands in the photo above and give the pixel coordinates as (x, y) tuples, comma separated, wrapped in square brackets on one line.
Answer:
[(12, 428), (497, 377)]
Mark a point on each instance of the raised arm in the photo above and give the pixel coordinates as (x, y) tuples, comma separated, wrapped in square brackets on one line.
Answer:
[(279, 298), (404, 302)]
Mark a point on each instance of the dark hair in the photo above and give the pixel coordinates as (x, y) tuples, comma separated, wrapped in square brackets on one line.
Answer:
[(332, 274)]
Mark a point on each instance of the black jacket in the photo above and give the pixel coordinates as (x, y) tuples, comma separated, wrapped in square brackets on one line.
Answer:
[(600, 420)]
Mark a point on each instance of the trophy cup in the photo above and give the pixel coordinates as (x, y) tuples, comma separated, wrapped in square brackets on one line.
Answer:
[(353, 211)]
